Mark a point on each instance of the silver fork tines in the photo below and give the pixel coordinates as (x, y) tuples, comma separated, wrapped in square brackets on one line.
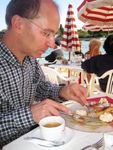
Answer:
[(97, 145)]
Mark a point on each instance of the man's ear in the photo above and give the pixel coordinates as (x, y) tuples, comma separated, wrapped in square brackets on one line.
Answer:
[(17, 23)]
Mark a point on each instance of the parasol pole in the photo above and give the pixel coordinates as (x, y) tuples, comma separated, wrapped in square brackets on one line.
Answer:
[(69, 55)]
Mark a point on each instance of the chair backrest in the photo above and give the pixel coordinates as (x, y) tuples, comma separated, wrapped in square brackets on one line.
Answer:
[(53, 75), (94, 81), (109, 87), (89, 83)]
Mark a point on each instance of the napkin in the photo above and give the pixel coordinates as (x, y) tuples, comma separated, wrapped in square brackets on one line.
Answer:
[(108, 141)]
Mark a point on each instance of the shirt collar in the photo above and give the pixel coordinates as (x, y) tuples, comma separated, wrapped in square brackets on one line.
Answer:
[(5, 53)]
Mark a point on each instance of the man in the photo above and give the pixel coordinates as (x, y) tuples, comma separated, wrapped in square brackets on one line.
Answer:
[(31, 30), (100, 64)]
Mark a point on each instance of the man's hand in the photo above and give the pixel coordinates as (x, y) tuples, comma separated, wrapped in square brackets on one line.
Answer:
[(74, 92), (47, 108)]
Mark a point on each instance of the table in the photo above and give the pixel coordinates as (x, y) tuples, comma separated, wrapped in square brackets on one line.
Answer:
[(77, 76), (69, 66), (78, 141)]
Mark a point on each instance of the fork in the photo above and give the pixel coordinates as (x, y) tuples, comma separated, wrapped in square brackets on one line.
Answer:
[(72, 115), (97, 145)]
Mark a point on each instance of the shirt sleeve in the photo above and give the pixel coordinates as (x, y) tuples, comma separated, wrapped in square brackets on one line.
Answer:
[(48, 90), (14, 122)]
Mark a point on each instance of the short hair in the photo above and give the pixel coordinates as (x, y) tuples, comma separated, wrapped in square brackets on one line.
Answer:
[(24, 8), (108, 45)]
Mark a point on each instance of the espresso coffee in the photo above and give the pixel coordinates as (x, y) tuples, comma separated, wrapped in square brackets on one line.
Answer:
[(52, 128), (52, 124)]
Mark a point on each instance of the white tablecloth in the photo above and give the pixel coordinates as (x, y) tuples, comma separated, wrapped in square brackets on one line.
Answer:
[(79, 140), (69, 66), (77, 70)]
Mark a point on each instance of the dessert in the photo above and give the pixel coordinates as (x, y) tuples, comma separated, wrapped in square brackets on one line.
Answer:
[(101, 112), (81, 112), (106, 117)]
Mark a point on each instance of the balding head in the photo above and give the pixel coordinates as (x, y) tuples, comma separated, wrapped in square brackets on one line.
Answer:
[(47, 7), (30, 9), (50, 13)]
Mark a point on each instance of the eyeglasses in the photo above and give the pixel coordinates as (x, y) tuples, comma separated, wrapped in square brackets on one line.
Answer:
[(45, 33)]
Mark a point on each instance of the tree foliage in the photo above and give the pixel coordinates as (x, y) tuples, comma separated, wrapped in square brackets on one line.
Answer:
[(85, 34)]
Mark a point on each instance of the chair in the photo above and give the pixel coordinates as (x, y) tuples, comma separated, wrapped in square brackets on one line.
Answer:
[(76, 75), (54, 76), (93, 84), (109, 74)]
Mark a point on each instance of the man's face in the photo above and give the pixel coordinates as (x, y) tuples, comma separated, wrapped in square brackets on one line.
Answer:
[(38, 33)]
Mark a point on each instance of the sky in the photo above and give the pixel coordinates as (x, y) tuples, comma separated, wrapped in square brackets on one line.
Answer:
[(63, 6)]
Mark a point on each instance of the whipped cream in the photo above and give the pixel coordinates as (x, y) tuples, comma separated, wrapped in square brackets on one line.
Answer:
[(106, 117), (81, 112), (104, 102)]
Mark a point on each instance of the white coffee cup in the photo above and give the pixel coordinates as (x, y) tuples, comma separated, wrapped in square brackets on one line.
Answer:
[(52, 128)]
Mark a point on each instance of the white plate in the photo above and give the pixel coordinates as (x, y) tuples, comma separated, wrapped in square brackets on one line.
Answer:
[(70, 122)]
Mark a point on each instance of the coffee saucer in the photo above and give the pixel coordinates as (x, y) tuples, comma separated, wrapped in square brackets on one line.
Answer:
[(68, 135)]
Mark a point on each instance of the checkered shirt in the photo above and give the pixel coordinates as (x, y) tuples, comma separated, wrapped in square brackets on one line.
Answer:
[(20, 86)]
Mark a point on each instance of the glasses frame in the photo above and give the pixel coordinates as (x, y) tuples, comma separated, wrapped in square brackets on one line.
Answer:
[(45, 33)]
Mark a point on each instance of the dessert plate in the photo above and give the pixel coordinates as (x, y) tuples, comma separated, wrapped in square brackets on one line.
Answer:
[(88, 124)]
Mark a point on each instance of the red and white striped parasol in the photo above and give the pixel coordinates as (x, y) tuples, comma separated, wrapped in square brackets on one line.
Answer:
[(97, 12), (91, 27), (70, 40)]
